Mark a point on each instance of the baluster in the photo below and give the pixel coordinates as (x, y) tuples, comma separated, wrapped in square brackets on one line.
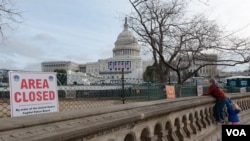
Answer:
[(172, 131), (202, 119), (193, 124), (157, 133), (179, 129), (211, 111), (145, 135), (247, 104), (244, 103), (208, 119), (187, 127), (165, 135), (198, 121)]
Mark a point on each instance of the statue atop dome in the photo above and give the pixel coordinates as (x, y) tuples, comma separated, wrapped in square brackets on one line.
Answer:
[(126, 24)]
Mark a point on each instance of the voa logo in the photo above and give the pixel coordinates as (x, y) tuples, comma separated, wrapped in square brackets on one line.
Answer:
[(236, 132)]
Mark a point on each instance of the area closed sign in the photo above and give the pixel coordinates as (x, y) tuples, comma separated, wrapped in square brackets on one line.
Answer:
[(33, 93), (170, 92)]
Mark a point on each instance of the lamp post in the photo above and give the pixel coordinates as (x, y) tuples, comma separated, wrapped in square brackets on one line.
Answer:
[(123, 89), (169, 81)]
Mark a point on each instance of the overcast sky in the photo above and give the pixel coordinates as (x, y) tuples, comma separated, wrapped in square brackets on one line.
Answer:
[(85, 30)]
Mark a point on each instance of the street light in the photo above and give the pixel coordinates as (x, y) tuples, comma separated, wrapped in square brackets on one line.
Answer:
[(123, 89)]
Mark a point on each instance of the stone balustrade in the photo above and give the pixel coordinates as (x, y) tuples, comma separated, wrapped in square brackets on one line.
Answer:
[(183, 119)]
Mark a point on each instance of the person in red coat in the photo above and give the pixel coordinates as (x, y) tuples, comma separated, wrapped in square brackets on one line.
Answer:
[(221, 100)]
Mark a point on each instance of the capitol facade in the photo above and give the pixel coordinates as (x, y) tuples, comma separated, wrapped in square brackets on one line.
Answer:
[(126, 57)]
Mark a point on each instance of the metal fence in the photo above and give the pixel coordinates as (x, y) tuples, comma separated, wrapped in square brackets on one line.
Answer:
[(75, 92), (80, 97)]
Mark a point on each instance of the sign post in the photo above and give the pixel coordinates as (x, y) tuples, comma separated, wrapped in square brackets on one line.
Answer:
[(243, 90), (33, 93), (199, 90), (170, 92)]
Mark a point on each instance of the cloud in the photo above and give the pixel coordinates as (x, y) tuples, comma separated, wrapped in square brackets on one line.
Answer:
[(33, 67), (44, 37), (79, 31), (105, 51), (16, 54), (240, 67), (78, 58), (8, 63), (12, 46)]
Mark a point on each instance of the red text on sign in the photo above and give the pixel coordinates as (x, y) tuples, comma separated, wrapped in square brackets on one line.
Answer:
[(34, 96), (34, 83)]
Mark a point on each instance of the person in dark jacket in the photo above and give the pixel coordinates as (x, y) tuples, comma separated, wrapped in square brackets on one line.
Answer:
[(233, 112), (221, 99)]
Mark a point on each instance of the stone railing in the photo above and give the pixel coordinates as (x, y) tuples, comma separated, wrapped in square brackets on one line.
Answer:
[(183, 119)]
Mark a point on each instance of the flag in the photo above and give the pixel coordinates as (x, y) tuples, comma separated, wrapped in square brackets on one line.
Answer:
[(128, 64), (118, 65), (122, 64), (110, 65)]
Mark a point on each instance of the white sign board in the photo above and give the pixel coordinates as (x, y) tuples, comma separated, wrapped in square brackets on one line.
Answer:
[(243, 90), (33, 93), (199, 90)]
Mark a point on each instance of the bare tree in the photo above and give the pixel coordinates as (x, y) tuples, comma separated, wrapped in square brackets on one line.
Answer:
[(179, 40), (4, 76), (8, 15)]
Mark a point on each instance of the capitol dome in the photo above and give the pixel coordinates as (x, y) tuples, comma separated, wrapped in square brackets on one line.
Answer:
[(126, 44)]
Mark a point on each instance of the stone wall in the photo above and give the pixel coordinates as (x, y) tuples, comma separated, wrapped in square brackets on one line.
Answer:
[(183, 119)]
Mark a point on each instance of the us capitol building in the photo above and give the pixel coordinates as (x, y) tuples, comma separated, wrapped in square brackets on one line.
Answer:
[(126, 56)]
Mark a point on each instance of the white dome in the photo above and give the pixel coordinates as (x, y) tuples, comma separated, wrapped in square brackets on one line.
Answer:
[(126, 44)]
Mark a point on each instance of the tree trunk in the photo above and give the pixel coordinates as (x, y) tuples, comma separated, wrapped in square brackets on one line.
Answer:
[(161, 72), (179, 77)]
